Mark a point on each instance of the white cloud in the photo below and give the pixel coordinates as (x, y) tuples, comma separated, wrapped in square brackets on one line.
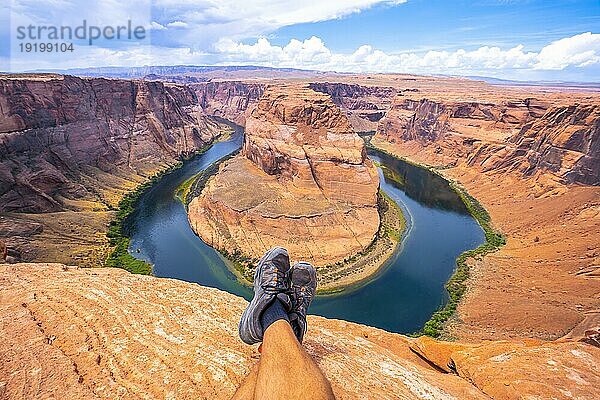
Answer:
[(156, 26), (217, 32), (260, 16), (177, 24), (310, 52), (579, 50)]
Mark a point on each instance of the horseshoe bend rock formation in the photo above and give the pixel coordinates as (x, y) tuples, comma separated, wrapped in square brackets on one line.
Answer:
[(303, 181), (100, 333)]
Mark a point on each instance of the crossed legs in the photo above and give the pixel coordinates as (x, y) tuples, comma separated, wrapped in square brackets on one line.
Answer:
[(276, 316), (285, 370)]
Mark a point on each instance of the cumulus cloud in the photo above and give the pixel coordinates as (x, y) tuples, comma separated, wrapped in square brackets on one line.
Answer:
[(576, 51), (259, 16), (579, 50), (310, 52), (217, 32), (177, 24), (156, 26)]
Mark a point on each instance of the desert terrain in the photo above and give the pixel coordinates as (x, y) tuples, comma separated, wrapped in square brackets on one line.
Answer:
[(528, 323)]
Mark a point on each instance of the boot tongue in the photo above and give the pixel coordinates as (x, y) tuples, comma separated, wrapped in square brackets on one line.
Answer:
[(285, 300)]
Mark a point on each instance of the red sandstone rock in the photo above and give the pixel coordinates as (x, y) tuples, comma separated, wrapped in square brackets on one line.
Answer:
[(67, 138), (303, 182)]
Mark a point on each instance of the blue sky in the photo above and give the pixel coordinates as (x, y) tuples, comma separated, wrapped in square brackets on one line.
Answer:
[(450, 25), (511, 39)]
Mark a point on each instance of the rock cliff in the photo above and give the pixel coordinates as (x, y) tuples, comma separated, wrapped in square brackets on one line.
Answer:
[(303, 181), (59, 134), (531, 158), (104, 334), (228, 99), (364, 105), (527, 135), (70, 147)]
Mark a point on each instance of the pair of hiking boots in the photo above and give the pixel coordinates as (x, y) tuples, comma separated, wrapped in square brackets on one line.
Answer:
[(275, 280)]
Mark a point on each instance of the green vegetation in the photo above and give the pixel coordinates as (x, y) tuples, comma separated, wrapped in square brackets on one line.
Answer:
[(183, 190), (392, 226), (456, 285), (392, 175), (119, 228), (192, 187), (244, 265)]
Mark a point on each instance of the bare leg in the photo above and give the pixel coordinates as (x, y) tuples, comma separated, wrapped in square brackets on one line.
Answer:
[(246, 389), (286, 371)]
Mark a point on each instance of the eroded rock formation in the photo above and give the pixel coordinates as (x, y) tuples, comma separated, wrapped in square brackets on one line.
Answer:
[(104, 334), (364, 105), (527, 135), (60, 135), (229, 99), (303, 181), (70, 147), (531, 158)]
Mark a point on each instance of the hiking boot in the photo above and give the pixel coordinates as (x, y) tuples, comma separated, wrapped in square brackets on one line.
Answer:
[(271, 279), (303, 285)]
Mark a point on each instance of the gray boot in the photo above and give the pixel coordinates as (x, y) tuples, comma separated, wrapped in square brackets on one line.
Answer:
[(303, 285), (270, 280)]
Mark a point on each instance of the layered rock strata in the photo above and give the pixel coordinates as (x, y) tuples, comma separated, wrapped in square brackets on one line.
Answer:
[(531, 159), (303, 181), (71, 147), (228, 99), (60, 135), (527, 135), (104, 334), (364, 105)]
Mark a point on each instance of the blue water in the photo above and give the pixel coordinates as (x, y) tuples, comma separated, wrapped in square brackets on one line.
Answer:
[(401, 298)]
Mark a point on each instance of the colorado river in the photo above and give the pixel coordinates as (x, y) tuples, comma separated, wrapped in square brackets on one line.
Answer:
[(401, 298)]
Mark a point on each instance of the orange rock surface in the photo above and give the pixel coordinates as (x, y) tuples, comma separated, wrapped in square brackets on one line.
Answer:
[(531, 157), (104, 333), (303, 181)]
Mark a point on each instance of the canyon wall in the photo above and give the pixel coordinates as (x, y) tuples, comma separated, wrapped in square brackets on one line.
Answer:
[(303, 181), (364, 105), (228, 99), (59, 133), (70, 148), (531, 158), (528, 135)]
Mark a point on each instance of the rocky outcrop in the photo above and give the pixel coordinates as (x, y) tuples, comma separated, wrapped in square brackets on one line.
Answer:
[(565, 141), (104, 333), (300, 136), (68, 143), (364, 105), (531, 158), (303, 181), (528, 135), (71, 147), (228, 99)]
